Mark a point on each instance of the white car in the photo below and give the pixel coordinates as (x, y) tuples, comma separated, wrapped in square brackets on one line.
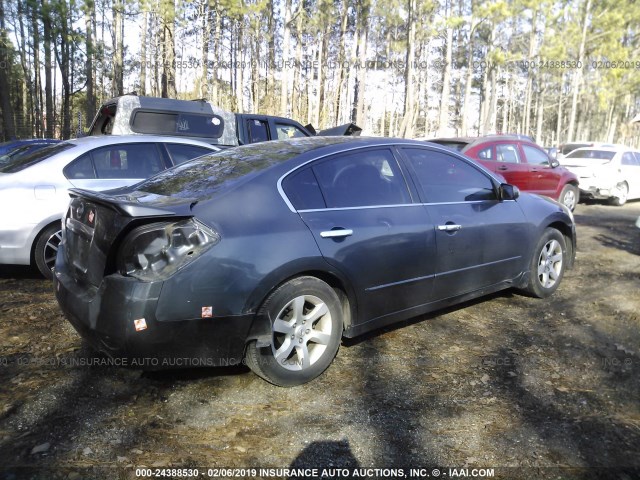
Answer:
[(610, 173), (34, 187)]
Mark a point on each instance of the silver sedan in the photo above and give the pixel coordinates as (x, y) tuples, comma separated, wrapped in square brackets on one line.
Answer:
[(34, 187)]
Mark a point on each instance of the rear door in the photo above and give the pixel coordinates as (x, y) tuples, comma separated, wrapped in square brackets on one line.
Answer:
[(359, 208), (480, 240), (115, 166)]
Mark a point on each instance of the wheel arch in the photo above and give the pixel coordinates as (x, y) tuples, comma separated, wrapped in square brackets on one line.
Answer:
[(569, 239), (36, 237), (260, 329)]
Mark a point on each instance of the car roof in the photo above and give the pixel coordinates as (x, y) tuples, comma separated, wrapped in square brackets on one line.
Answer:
[(99, 140), (606, 149)]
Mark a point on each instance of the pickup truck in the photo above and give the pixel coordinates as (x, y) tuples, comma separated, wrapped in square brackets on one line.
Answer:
[(199, 120)]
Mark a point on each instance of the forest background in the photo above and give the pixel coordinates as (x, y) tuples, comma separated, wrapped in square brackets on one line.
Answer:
[(556, 70)]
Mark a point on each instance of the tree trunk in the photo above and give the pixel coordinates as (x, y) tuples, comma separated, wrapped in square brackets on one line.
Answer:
[(39, 126), (269, 67), (90, 105), (47, 37), (216, 56), (117, 88), (405, 127), (286, 39), (341, 59), (204, 57), (443, 121), (540, 116), (63, 58), (5, 101), (559, 120), (577, 75), (169, 21), (361, 56), (297, 77), (143, 52), (239, 67)]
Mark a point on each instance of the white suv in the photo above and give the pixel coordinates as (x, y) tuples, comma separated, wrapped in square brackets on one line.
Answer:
[(611, 173)]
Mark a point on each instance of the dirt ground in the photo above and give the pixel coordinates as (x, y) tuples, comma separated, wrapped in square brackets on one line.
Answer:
[(530, 388)]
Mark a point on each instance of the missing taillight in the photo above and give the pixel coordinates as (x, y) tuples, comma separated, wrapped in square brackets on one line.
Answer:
[(156, 251)]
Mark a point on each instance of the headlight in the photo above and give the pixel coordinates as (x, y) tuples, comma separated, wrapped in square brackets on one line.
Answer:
[(156, 251)]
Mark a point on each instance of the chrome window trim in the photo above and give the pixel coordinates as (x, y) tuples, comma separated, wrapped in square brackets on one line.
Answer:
[(390, 146), (368, 207)]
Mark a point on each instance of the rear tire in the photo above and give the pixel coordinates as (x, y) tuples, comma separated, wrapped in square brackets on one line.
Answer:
[(546, 267), (46, 249), (306, 330), (570, 196)]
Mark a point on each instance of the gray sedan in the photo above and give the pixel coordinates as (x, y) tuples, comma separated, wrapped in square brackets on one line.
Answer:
[(34, 187)]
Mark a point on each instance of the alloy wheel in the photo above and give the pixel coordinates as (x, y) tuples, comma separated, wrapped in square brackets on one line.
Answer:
[(301, 332), (550, 263)]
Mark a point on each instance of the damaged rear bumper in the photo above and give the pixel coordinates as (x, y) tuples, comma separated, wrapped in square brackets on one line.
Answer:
[(120, 319)]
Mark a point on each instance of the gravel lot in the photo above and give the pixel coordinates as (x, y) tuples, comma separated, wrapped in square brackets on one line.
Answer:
[(531, 388)]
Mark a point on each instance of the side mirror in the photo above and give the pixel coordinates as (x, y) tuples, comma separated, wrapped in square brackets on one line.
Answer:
[(509, 192), (554, 163)]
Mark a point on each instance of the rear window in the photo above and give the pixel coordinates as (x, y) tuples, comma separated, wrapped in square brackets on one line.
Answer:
[(595, 154), (172, 123), (570, 147), (456, 146), (203, 176), (20, 162)]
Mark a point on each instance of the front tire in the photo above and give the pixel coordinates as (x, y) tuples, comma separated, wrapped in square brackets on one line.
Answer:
[(547, 265), (306, 330), (621, 195), (570, 196), (46, 249)]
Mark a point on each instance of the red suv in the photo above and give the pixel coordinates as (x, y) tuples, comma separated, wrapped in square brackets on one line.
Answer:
[(524, 164)]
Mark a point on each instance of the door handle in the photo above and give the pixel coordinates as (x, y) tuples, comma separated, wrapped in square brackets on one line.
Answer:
[(449, 228), (343, 232), (503, 168)]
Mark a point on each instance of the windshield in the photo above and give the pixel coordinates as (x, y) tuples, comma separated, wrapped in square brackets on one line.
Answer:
[(15, 163), (203, 176), (594, 154)]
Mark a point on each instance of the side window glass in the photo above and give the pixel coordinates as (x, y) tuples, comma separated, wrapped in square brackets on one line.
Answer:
[(258, 131), (628, 159), (80, 168), (180, 152), (135, 160), (486, 154), (535, 156), (303, 190), (506, 152), (637, 155), (362, 178), (444, 178), (288, 131)]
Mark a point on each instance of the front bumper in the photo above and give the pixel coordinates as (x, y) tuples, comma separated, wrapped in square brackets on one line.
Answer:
[(106, 317), (596, 192)]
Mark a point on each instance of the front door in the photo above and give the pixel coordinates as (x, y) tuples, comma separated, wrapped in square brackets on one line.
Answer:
[(479, 239), (505, 159), (544, 179)]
